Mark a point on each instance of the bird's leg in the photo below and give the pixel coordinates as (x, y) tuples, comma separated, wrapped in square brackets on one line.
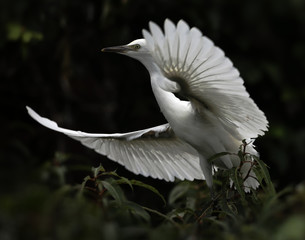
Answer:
[(210, 206), (206, 168), (213, 194)]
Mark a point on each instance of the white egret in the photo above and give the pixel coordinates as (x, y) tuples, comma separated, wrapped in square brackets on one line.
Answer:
[(214, 115)]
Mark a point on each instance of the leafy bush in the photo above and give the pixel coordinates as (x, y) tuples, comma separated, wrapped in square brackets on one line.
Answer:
[(99, 207)]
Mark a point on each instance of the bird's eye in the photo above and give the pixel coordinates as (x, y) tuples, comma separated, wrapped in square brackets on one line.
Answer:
[(137, 46)]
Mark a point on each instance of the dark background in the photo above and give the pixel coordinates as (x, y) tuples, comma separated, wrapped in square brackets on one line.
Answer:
[(50, 59)]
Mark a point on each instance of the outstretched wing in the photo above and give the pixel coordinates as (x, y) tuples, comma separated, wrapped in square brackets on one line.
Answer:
[(154, 152), (206, 77)]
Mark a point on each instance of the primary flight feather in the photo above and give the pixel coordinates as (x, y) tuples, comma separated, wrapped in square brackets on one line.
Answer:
[(202, 97)]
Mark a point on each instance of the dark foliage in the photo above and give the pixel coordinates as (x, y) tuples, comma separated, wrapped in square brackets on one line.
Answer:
[(50, 59)]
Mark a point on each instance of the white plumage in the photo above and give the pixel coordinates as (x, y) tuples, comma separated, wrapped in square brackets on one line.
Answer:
[(214, 114)]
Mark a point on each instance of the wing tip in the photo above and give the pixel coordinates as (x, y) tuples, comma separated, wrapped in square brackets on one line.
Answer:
[(33, 114), (43, 121), (167, 21), (30, 110), (151, 25), (183, 23)]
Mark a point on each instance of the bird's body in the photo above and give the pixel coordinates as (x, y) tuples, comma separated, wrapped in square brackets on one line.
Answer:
[(202, 135), (214, 114)]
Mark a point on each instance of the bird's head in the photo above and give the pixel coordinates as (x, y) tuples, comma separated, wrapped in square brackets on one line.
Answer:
[(136, 49)]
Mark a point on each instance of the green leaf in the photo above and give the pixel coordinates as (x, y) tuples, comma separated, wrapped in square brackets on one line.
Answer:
[(136, 209), (121, 180), (218, 155), (114, 190), (148, 187), (27, 36), (241, 155), (37, 36), (292, 228), (14, 31), (86, 179), (191, 202), (161, 215), (124, 180), (229, 210), (180, 213), (61, 157), (96, 171), (177, 192), (266, 176), (110, 174), (238, 182)]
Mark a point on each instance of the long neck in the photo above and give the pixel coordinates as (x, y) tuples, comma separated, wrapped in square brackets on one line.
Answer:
[(172, 107)]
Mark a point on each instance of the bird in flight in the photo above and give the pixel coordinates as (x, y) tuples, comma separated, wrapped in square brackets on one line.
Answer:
[(201, 95)]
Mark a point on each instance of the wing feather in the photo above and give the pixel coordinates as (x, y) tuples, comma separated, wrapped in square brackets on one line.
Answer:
[(124, 152), (154, 152), (206, 77), (169, 28), (182, 27)]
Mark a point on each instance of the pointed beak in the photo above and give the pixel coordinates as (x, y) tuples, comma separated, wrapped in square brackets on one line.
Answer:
[(117, 49)]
